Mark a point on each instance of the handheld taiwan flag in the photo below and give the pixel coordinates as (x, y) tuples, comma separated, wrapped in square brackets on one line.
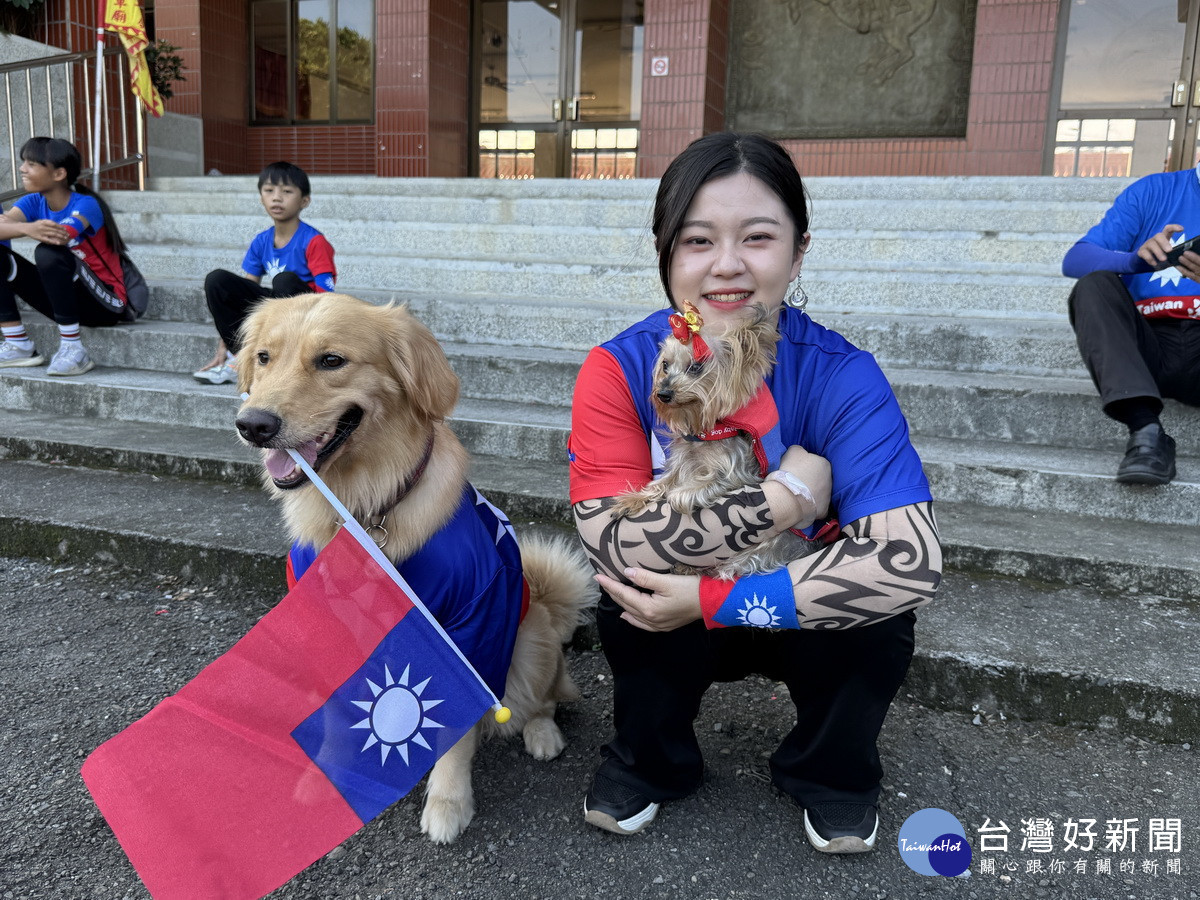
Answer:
[(125, 18), (328, 711)]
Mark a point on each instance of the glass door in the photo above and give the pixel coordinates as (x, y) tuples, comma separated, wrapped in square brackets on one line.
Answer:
[(558, 87), (1130, 97)]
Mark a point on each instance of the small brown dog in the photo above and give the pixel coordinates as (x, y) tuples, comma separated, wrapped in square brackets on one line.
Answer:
[(362, 392), (703, 377)]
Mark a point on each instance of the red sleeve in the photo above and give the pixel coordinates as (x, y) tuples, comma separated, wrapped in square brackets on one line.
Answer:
[(607, 448), (319, 255)]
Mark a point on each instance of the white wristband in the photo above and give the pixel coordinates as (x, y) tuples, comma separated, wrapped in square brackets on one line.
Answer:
[(793, 484)]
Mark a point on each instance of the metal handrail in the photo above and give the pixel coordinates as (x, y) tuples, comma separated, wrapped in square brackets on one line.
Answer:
[(42, 97)]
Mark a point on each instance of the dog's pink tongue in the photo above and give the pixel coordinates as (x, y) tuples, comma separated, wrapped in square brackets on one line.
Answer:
[(279, 463)]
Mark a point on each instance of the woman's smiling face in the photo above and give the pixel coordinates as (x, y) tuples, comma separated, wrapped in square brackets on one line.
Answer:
[(736, 249)]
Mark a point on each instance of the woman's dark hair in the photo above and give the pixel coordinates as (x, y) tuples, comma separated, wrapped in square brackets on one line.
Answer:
[(285, 173), (59, 154), (715, 156)]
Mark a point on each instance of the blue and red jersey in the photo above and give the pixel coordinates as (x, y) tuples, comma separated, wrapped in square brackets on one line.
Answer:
[(90, 242), (308, 255), (832, 400), (469, 577)]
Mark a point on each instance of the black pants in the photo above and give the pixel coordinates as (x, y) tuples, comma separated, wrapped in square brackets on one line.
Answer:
[(230, 298), (58, 285), (841, 682), (1128, 355)]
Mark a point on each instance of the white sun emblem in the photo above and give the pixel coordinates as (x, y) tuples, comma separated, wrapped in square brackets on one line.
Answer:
[(757, 614), (396, 715), (1172, 275)]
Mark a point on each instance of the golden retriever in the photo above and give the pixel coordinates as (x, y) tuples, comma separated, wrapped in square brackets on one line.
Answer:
[(362, 392)]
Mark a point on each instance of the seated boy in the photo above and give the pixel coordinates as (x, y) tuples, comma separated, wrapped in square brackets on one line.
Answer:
[(295, 256)]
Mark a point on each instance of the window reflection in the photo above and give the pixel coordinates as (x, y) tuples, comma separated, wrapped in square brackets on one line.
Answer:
[(313, 60)]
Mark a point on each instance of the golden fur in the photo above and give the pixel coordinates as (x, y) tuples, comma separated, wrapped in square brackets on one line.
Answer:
[(309, 360), (690, 398)]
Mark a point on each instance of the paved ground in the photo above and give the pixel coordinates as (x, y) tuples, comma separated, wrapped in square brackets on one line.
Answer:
[(88, 650)]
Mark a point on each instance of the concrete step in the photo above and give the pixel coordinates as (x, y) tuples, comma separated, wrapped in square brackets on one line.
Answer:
[(868, 288), (404, 240), (1069, 655), (1000, 475), (1057, 411), (993, 346)]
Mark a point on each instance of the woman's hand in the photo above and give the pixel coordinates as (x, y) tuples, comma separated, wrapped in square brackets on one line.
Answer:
[(663, 603), (47, 232)]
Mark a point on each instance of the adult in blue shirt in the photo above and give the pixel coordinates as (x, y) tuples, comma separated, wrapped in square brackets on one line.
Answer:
[(1136, 314), (731, 229)]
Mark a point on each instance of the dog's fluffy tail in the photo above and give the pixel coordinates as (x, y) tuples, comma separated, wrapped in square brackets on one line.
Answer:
[(560, 581)]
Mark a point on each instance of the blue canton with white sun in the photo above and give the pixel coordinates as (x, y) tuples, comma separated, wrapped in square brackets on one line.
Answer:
[(377, 734), (758, 614)]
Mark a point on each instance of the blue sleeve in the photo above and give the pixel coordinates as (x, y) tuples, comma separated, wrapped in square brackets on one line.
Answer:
[(252, 262), (1085, 258), (30, 207), (86, 206), (874, 464)]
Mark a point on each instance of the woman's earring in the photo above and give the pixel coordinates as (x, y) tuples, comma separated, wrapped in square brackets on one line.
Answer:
[(796, 296)]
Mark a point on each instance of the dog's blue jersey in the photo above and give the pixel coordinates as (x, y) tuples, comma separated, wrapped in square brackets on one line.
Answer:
[(469, 576), (832, 398)]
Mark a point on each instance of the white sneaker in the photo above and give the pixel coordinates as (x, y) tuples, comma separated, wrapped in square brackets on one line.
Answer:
[(71, 359), (11, 356), (222, 374)]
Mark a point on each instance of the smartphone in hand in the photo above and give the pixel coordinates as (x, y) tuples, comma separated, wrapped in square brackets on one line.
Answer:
[(1179, 249)]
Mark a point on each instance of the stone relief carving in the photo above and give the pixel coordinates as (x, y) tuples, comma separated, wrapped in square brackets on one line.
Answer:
[(851, 68)]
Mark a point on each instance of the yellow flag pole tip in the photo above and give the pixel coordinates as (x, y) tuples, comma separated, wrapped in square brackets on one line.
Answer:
[(503, 714)]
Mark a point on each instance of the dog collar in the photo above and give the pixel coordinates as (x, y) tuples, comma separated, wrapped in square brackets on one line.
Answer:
[(375, 529)]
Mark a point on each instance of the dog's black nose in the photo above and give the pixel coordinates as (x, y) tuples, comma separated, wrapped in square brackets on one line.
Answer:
[(665, 396), (258, 426)]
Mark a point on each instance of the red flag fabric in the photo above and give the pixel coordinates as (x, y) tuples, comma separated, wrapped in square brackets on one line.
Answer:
[(329, 710)]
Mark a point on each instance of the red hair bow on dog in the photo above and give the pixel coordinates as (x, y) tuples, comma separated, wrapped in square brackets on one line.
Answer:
[(685, 327)]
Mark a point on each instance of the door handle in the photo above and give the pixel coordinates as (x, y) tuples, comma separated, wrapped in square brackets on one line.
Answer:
[(1179, 94), (573, 109), (557, 107)]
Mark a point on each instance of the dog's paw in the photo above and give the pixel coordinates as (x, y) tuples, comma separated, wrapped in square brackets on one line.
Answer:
[(444, 818), (543, 740)]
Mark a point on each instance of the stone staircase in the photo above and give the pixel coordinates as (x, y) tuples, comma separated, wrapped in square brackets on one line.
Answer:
[(1068, 597)]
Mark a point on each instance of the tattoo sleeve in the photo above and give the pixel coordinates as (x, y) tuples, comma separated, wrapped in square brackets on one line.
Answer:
[(885, 564), (660, 538)]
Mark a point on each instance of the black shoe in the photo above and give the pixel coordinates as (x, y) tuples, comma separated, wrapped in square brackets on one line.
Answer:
[(841, 827), (617, 808), (1149, 457)]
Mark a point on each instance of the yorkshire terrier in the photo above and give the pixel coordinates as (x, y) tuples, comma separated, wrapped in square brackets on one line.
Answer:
[(703, 377)]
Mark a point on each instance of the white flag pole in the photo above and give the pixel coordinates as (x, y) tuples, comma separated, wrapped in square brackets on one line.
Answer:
[(502, 712), (99, 94)]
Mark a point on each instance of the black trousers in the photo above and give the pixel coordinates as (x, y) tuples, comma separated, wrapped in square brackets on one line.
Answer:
[(1128, 355), (231, 297), (58, 285), (841, 682)]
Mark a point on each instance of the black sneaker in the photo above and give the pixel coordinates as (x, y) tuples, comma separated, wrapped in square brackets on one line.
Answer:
[(841, 827), (617, 808), (1149, 457)]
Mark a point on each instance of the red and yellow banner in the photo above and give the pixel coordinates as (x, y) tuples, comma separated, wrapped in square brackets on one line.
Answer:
[(125, 18)]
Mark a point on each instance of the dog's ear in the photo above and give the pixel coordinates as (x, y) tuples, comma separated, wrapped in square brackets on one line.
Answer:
[(420, 364)]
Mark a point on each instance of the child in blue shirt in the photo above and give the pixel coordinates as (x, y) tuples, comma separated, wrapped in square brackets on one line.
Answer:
[(292, 254), (76, 277)]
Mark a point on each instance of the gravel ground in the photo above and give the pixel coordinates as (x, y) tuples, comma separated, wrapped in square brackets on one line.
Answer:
[(88, 650)]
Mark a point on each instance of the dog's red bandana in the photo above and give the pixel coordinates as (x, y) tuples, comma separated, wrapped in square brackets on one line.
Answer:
[(759, 420)]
